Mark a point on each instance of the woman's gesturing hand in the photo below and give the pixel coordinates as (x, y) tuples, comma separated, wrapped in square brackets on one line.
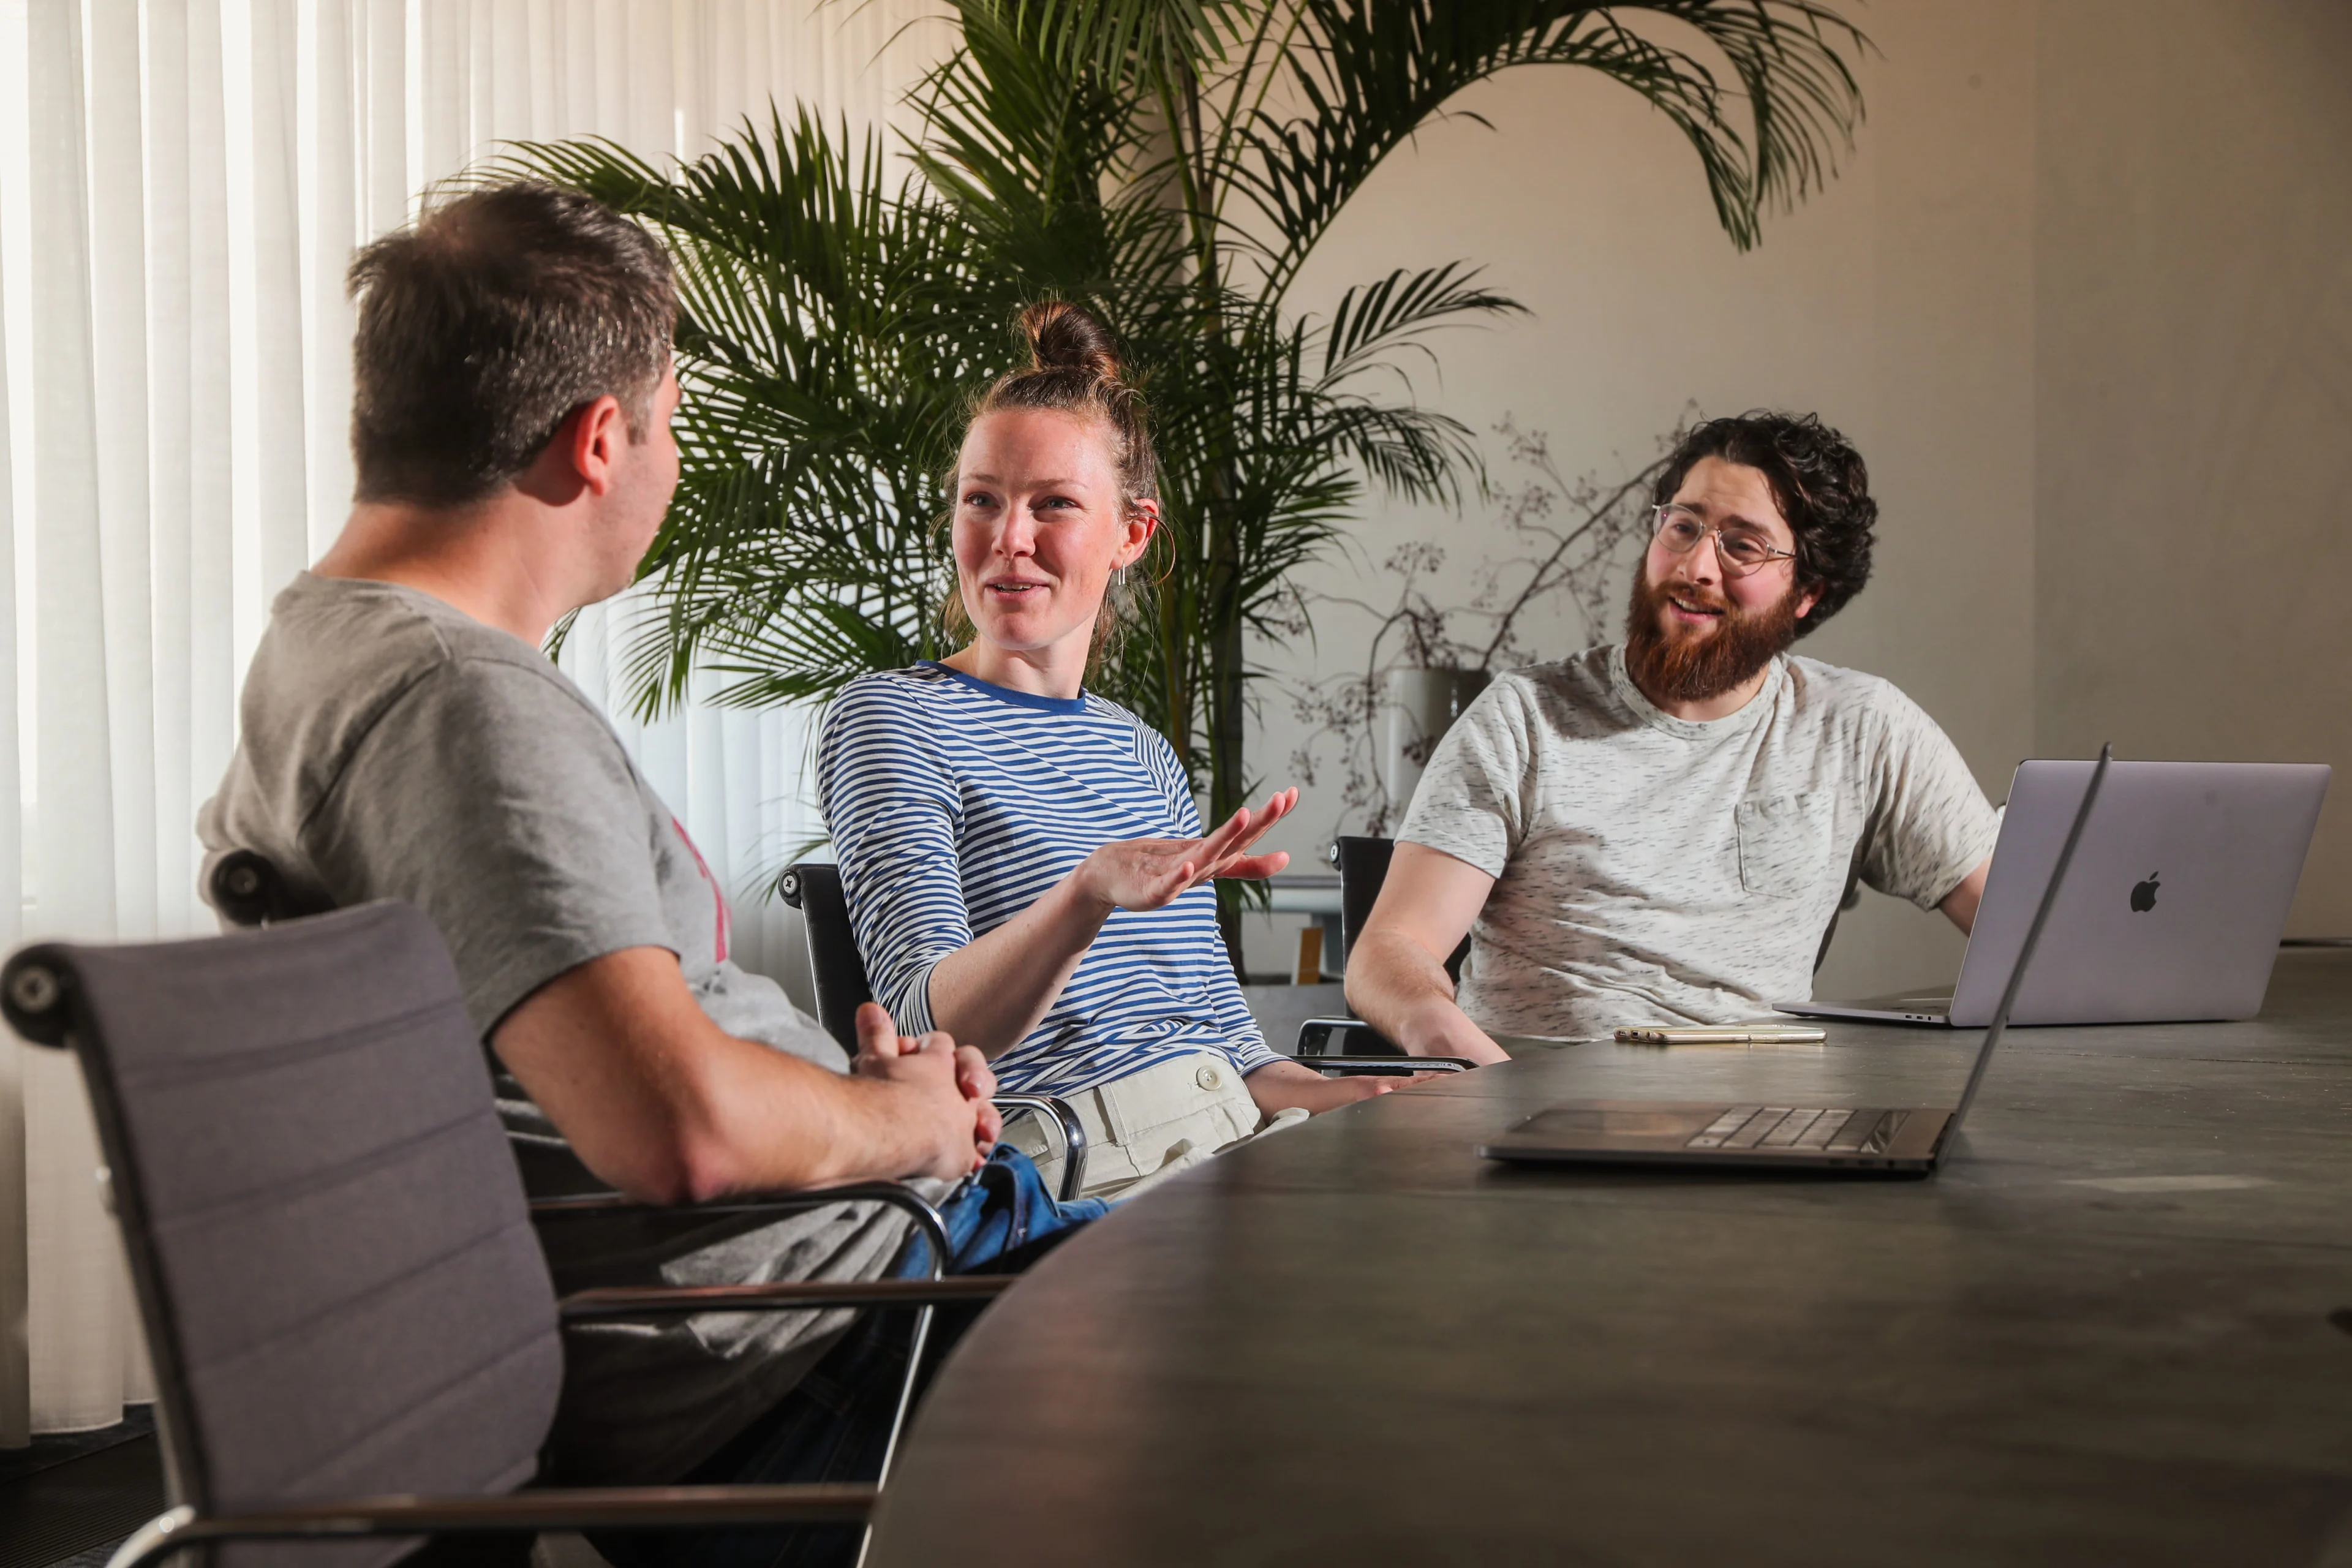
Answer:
[(997, 988), (1151, 873)]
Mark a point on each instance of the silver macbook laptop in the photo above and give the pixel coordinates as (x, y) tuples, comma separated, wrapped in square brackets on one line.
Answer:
[(2172, 915), (1819, 1138)]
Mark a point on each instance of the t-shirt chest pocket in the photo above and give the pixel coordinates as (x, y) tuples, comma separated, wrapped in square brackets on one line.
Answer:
[(1785, 844)]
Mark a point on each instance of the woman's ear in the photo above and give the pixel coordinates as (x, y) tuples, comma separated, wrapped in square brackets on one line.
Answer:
[(1142, 522)]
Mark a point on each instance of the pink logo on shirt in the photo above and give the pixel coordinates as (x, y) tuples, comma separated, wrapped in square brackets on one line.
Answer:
[(720, 933)]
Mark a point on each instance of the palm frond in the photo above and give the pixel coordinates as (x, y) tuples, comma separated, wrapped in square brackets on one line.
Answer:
[(1373, 321), (1380, 70)]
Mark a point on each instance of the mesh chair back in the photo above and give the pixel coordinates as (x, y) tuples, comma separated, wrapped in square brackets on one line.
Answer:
[(341, 1287), (814, 888)]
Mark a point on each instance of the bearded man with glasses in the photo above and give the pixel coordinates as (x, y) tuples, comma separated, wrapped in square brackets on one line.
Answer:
[(1662, 832)]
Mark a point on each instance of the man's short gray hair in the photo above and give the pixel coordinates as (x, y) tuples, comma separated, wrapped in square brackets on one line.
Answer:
[(485, 323)]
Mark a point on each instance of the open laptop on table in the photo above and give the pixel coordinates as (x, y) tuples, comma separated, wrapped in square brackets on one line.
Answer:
[(2173, 916), (1828, 1138)]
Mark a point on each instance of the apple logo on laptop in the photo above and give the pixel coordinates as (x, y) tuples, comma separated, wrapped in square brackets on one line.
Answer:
[(2143, 895)]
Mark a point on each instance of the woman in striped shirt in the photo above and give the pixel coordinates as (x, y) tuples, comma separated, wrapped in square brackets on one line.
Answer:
[(1023, 860)]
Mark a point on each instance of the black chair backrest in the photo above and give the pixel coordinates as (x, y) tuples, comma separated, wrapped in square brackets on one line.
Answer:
[(814, 888), (1363, 866), (337, 1276)]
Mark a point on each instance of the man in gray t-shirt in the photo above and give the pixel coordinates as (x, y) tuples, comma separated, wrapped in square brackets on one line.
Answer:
[(404, 737), (1663, 831), (393, 747)]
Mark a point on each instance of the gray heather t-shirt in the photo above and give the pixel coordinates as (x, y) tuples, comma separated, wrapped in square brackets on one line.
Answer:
[(1651, 870), (395, 748)]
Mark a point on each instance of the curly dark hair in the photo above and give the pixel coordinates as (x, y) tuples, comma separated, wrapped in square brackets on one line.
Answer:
[(1820, 483)]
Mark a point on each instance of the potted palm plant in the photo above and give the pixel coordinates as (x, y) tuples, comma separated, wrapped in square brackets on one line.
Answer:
[(1171, 164)]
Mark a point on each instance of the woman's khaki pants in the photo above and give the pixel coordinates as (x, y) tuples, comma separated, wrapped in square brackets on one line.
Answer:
[(1149, 1125)]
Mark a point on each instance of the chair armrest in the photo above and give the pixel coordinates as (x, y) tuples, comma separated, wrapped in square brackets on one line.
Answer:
[(597, 1507), (1056, 1110), (786, 1296), (926, 1218)]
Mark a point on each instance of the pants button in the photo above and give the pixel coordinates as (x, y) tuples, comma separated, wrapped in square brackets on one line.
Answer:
[(1208, 1077)]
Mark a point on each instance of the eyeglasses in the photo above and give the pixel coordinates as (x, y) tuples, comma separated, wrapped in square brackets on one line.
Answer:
[(1740, 550)]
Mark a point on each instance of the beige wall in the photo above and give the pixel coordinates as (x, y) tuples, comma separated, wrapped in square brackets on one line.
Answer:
[(2082, 296), (2193, 379)]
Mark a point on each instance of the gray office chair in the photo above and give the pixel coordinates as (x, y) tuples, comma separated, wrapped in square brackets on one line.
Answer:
[(354, 1337), (838, 972)]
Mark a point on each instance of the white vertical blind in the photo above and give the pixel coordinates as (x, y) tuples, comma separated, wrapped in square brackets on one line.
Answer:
[(182, 183)]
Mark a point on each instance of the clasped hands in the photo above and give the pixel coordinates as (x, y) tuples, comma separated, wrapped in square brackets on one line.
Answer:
[(953, 1081), (1152, 873)]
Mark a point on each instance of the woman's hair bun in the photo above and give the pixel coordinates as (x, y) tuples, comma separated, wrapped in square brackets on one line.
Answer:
[(1062, 336)]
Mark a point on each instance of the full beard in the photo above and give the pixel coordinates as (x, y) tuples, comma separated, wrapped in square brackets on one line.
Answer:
[(1679, 665)]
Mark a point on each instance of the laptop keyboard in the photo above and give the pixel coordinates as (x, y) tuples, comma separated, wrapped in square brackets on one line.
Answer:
[(1798, 1127)]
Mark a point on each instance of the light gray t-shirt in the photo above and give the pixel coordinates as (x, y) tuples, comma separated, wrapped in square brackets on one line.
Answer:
[(1651, 870), (395, 748)]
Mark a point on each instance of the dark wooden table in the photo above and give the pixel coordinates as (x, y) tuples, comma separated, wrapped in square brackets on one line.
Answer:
[(2102, 1334)]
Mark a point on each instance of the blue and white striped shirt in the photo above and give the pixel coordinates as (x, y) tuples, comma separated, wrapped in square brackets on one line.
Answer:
[(954, 804)]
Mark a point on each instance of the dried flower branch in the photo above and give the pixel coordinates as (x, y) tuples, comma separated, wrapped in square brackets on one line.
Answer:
[(1573, 536)]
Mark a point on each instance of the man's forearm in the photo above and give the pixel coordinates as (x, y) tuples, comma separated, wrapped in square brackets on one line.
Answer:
[(1398, 987), (994, 989), (669, 1108), (758, 1120)]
